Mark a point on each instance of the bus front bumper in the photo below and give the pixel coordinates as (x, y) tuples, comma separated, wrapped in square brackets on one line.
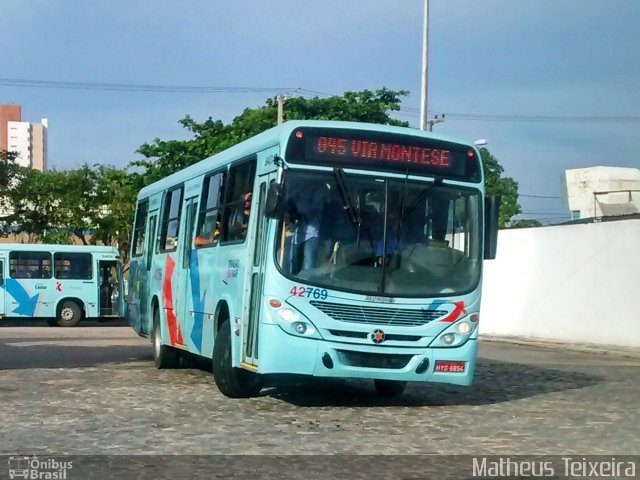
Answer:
[(284, 353)]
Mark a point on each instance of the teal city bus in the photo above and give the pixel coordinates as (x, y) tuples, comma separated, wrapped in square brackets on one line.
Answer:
[(63, 284), (330, 249)]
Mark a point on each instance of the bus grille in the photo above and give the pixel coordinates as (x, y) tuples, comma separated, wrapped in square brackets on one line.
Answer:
[(403, 317), (373, 360)]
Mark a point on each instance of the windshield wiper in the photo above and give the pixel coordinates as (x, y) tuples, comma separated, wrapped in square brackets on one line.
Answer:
[(352, 212), (424, 194), (347, 202)]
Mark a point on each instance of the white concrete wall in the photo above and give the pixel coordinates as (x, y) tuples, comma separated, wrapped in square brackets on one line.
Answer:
[(574, 283)]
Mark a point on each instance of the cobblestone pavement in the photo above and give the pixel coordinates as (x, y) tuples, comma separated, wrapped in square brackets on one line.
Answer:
[(94, 390)]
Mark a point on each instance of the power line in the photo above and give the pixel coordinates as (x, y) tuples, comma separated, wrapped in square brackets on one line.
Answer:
[(405, 111), (131, 87), (533, 118), (536, 196)]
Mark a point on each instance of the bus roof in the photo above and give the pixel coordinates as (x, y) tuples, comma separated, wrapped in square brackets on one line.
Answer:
[(46, 247), (273, 136)]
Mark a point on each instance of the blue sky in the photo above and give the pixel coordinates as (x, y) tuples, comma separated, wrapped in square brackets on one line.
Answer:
[(492, 57)]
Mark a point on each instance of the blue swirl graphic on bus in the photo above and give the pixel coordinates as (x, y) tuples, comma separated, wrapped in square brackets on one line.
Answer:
[(198, 303), (26, 304)]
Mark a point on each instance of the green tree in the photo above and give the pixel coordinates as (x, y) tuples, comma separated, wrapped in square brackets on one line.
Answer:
[(113, 207), (524, 223), (163, 158), (497, 185)]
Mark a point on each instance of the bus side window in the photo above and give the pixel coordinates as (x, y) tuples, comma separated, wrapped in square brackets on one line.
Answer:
[(139, 228), (170, 227), (30, 264), (237, 207), (72, 266), (210, 216)]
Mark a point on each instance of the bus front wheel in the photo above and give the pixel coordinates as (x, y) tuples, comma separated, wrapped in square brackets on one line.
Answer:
[(232, 382), (389, 388), (69, 314), (163, 355)]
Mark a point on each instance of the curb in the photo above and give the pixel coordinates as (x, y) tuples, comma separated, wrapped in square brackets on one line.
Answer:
[(575, 347)]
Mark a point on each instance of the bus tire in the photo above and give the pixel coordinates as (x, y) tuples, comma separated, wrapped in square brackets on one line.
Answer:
[(232, 382), (389, 388), (163, 355), (69, 314)]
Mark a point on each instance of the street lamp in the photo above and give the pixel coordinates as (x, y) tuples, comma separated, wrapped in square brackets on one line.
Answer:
[(425, 66)]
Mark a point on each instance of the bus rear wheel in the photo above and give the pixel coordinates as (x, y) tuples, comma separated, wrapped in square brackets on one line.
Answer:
[(389, 388), (232, 382), (69, 314), (163, 355)]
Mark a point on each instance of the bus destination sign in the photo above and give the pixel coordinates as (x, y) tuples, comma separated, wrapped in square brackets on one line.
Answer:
[(389, 152), (383, 151)]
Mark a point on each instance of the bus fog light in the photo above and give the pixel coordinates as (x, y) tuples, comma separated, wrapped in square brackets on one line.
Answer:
[(300, 327), (448, 338), (464, 327), (286, 314)]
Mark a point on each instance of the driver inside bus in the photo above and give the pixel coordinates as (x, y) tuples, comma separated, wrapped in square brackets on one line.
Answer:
[(394, 238)]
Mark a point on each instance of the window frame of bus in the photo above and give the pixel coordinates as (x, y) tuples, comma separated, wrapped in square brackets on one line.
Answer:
[(252, 160), (217, 208), (297, 152), (164, 223), (22, 252), (55, 275), (136, 230)]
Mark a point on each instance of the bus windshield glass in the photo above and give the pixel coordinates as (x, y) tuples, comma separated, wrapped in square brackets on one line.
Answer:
[(379, 236)]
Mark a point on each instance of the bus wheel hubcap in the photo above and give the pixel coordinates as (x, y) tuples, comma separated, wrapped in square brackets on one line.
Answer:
[(66, 314), (156, 342)]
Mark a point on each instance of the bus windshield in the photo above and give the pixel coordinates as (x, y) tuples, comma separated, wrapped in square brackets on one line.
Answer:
[(379, 236)]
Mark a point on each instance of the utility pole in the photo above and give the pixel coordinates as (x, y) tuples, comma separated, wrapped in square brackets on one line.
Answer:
[(433, 121), (281, 99), (425, 67)]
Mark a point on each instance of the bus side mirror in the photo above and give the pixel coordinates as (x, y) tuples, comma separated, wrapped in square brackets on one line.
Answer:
[(273, 200), (491, 211)]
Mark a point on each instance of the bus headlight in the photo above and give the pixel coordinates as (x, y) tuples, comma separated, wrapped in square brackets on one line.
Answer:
[(448, 338), (463, 327), (455, 335), (292, 321), (286, 314)]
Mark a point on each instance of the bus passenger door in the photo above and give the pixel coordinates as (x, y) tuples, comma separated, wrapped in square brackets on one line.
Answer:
[(252, 322), (2, 288), (183, 298)]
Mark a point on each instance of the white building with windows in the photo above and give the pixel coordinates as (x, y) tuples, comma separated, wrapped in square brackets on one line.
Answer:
[(29, 141)]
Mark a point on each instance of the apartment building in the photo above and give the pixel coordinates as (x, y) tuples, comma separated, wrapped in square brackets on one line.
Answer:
[(27, 139)]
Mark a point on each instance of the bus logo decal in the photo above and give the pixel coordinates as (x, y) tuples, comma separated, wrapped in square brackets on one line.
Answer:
[(455, 313), (198, 302), (58, 286), (377, 336), (26, 303)]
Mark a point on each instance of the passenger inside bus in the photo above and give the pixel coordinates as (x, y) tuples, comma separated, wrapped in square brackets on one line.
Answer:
[(238, 220), (306, 204), (210, 231)]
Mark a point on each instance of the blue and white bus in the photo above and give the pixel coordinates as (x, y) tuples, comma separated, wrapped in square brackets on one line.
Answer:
[(63, 284), (331, 249)]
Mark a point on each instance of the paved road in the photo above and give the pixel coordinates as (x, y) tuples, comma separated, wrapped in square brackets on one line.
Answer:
[(94, 389)]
